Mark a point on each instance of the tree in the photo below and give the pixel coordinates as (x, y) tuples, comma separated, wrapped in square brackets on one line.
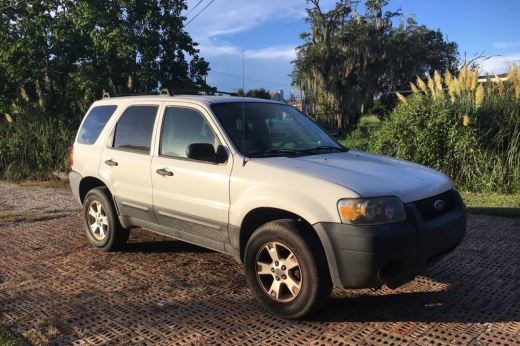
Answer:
[(259, 93), (348, 58), (61, 54)]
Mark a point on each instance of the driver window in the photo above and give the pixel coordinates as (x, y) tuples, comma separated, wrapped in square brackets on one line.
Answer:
[(182, 127)]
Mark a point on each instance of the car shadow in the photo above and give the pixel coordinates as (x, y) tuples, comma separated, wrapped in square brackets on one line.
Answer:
[(438, 306), (444, 293)]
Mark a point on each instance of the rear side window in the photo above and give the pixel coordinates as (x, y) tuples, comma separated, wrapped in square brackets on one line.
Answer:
[(134, 128), (94, 123)]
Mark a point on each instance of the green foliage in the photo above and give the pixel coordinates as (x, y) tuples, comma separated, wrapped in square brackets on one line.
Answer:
[(490, 203), (58, 56), (260, 93), (473, 135), (34, 145), (359, 138), (63, 54), (349, 58), (7, 338)]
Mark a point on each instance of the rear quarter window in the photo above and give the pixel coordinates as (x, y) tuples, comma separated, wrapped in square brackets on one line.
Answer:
[(94, 123)]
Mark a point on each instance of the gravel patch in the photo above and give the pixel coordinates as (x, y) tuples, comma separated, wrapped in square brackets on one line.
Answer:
[(35, 201)]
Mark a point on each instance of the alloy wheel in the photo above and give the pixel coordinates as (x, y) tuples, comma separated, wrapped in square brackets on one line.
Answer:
[(278, 272), (97, 221)]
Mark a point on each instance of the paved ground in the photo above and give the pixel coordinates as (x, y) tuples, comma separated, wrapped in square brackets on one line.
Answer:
[(55, 288)]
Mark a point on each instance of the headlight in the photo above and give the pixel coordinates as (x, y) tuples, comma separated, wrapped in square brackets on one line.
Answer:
[(371, 211)]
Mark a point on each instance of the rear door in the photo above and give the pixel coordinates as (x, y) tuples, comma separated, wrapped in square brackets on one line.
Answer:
[(194, 196), (125, 161)]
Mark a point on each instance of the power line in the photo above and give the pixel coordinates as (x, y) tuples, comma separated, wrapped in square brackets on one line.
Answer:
[(251, 79), (194, 7), (195, 16)]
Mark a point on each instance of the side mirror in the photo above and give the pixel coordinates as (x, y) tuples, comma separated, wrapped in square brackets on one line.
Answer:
[(206, 152), (222, 154)]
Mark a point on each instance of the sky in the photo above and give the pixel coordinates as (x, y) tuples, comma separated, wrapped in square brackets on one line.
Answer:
[(265, 33)]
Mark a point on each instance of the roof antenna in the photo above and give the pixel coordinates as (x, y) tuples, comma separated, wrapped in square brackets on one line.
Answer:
[(243, 110)]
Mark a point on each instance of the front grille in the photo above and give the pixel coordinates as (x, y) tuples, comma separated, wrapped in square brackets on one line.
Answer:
[(427, 206)]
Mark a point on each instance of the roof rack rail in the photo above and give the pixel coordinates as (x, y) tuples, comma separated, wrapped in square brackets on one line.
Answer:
[(171, 92)]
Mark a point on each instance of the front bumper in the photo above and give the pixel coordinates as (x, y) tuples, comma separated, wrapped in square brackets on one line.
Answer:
[(391, 254)]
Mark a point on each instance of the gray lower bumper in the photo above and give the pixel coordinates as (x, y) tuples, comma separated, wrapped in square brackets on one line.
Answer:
[(392, 254)]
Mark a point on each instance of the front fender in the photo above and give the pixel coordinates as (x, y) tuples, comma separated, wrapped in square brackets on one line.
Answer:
[(311, 208)]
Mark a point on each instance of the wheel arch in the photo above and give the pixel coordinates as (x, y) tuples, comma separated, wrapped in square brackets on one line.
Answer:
[(262, 215), (88, 183)]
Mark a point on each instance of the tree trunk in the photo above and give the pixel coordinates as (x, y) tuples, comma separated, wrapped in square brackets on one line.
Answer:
[(339, 122)]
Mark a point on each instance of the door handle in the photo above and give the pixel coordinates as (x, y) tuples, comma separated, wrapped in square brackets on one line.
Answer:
[(111, 163), (164, 172)]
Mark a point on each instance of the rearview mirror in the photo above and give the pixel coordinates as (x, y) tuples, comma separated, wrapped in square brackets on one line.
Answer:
[(206, 152)]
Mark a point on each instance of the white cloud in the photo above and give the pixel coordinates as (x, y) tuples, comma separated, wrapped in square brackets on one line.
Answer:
[(498, 64), (278, 52), (267, 64), (226, 17), (230, 16), (507, 44)]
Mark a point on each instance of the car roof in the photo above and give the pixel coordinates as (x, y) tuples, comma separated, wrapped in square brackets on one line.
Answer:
[(198, 99)]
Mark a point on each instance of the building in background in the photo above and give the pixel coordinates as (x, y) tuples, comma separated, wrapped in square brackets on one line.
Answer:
[(277, 96), (494, 78), (302, 105)]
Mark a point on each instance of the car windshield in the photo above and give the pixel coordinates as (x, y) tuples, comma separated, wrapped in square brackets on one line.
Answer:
[(272, 129)]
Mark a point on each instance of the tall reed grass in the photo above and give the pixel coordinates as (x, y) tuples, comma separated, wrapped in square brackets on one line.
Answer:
[(466, 128), (34, 145)]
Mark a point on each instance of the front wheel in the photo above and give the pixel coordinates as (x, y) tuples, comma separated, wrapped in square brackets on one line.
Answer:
[(283, 273)]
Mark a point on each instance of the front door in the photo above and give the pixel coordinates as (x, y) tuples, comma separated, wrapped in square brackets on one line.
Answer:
[(190, 196), (125, 162)]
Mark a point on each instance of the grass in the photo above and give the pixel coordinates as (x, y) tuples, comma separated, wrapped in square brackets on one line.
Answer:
[(359, 137), (368, 120), (493, 204), (7, 338)]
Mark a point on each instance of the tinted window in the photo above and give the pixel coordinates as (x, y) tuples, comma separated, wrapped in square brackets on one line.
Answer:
[(182, 127), (94, 123), (134, 128)]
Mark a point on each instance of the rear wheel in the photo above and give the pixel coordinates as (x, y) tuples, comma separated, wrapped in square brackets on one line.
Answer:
[(102, 225), (284, 275)]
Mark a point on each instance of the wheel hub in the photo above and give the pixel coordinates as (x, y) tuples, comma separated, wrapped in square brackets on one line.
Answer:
[(278, 272), (97, 221)]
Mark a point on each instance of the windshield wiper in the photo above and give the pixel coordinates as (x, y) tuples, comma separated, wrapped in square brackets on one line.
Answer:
[(279, 151), (283, 151), (324, 147)]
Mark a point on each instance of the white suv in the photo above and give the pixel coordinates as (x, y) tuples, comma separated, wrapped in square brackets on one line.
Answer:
[(262, 182)]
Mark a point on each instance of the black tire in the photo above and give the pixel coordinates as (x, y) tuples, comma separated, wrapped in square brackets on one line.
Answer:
[(115, 235), (315, 282)]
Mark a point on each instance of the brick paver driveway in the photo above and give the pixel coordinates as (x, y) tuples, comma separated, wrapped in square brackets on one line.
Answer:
[(55, 288)]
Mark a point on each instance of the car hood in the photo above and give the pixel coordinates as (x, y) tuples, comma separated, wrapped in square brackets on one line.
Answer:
[(371, 175)]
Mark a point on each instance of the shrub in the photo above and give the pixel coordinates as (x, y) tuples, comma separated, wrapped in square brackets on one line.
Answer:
[(33, 145), (359, 137), (470, 131)]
